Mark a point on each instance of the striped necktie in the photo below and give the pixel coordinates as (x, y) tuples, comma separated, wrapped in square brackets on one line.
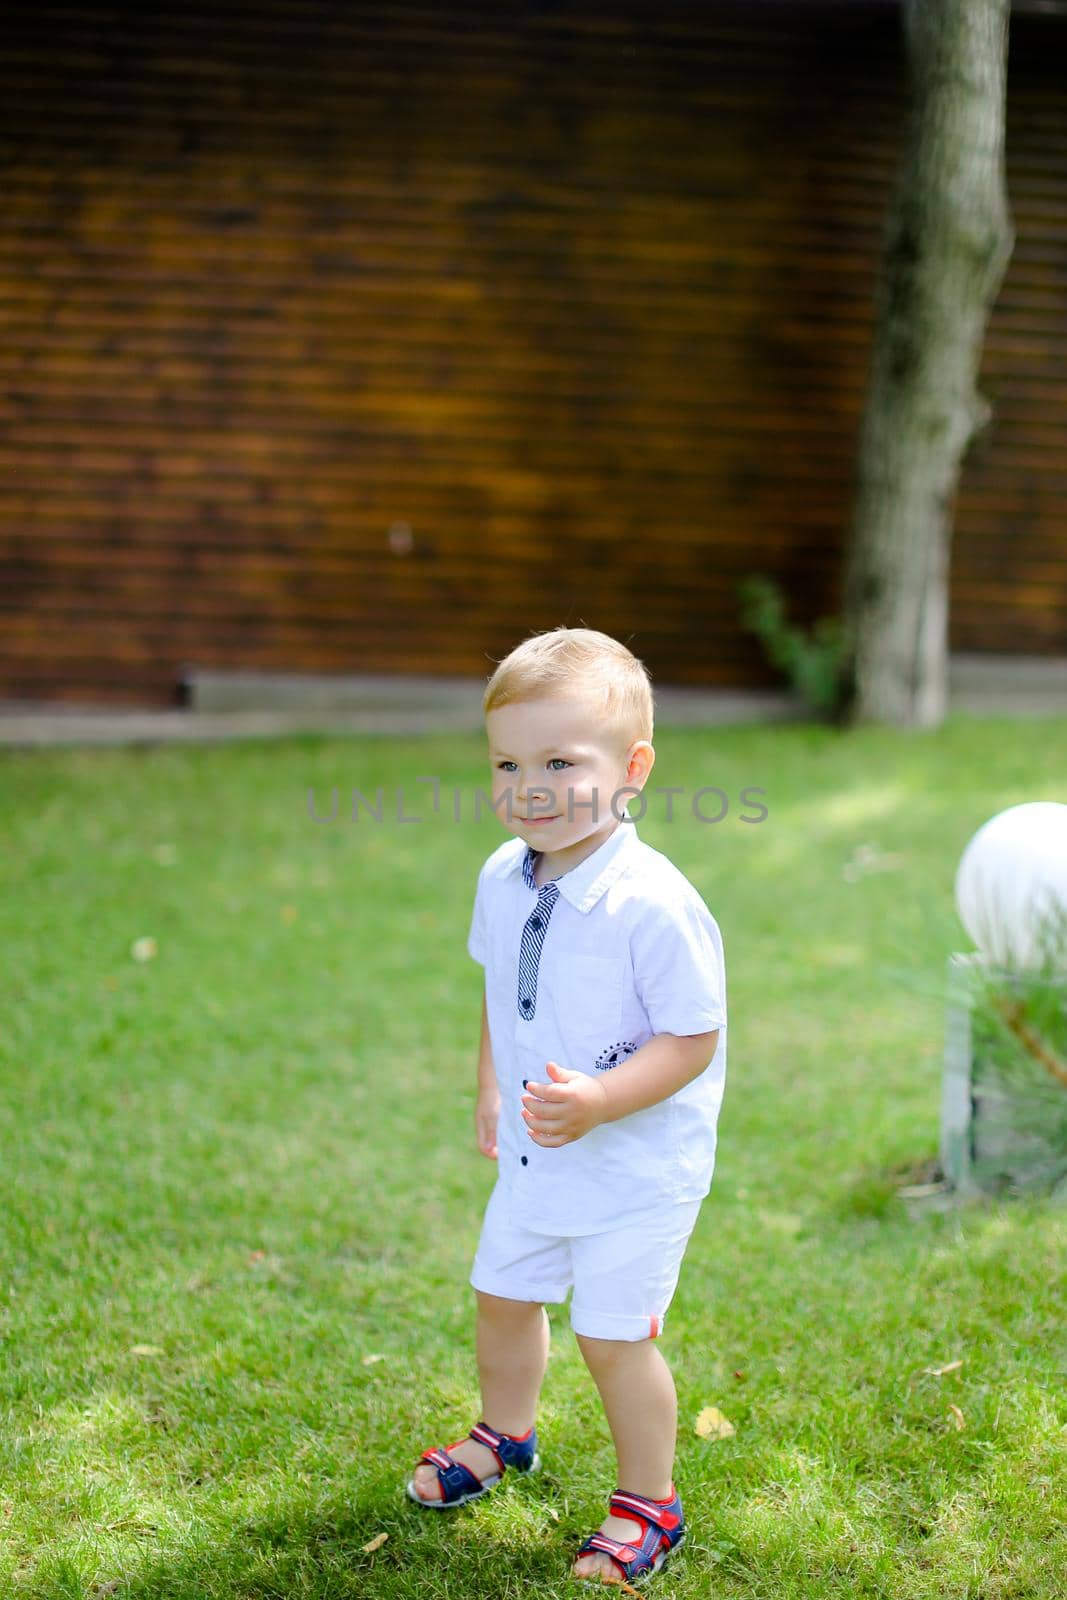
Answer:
[(533, 938)]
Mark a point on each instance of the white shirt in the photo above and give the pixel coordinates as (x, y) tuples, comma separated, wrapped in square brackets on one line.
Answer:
[(583, 971)]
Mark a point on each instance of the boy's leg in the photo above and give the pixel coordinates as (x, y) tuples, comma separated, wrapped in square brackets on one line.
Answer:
[(513, 1337), (641, 1405), (514, 1273), (624, 1283), (513, 1340)]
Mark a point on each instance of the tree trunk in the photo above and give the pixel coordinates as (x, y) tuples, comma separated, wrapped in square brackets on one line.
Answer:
[(949, 240)]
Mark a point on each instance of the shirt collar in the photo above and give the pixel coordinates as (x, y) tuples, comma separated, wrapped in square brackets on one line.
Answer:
[(584, 884)]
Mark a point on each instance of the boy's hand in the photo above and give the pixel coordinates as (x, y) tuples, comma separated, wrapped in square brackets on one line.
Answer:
[(565, 1108), (486, 1113)]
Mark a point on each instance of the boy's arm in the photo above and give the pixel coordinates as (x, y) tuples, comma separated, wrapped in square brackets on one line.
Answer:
[(487, 1106), (486, 1069), (662, 1066), (571, 1103)]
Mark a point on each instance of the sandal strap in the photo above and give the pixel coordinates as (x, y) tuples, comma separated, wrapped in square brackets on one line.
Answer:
[(509, 1450), (454, 1475), (660, 1530), (482, 1433), (624, 1554), (457, 1479), (624, 1504)]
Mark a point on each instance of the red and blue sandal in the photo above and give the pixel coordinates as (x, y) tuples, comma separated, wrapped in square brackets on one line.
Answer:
[(662, 1531), (459, 1484)]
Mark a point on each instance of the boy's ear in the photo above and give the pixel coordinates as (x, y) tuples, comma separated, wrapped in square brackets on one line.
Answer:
[(644, 755)]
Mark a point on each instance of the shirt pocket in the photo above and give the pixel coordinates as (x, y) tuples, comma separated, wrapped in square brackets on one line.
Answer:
[(589, 1009)]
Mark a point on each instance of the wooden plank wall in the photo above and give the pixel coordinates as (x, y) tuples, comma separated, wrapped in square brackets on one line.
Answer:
[(371, 337)]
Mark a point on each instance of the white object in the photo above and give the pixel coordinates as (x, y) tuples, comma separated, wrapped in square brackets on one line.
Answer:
[(1011, 887), (624, 1278), (624, 949)]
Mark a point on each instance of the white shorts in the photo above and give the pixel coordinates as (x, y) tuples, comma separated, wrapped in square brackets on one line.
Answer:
[(623, 1280)]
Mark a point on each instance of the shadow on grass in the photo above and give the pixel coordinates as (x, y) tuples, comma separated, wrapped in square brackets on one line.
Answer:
[(503, 1547), (757, 1540)]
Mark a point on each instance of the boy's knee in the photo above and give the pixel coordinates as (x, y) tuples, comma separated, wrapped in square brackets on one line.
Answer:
[(604, 1330), (608, 1352), (501, 1309)]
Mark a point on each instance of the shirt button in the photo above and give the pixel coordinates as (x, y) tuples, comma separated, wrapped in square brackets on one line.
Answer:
[(535, 923), (523, 1160)]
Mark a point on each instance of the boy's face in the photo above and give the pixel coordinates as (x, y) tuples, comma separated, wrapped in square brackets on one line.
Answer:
[(553, 754)]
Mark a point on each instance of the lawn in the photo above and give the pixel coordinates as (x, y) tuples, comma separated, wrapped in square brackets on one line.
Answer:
[(241, 1189)]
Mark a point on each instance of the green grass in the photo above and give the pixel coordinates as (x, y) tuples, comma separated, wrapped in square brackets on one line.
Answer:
[(234, 1172)]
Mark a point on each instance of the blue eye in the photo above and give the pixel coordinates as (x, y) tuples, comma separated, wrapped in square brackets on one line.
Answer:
[(563, 762)]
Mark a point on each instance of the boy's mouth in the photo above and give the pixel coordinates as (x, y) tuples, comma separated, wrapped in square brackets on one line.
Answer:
[(534, 822)]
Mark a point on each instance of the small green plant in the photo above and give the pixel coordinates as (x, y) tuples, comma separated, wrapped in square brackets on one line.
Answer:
[(812, 662), (1019, 1073)]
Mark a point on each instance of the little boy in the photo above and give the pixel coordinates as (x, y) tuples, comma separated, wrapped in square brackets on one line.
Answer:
[(600, 1077)]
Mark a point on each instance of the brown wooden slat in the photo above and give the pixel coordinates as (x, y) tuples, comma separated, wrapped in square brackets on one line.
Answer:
[(583, 295)]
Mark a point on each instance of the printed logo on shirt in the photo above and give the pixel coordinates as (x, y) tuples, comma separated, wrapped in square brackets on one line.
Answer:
[(614, 1054)]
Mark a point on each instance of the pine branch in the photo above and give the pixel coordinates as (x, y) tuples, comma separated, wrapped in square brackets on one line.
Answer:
[(1012, 1012)]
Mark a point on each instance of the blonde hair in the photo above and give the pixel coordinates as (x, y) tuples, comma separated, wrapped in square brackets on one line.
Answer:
[(578, 662)]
